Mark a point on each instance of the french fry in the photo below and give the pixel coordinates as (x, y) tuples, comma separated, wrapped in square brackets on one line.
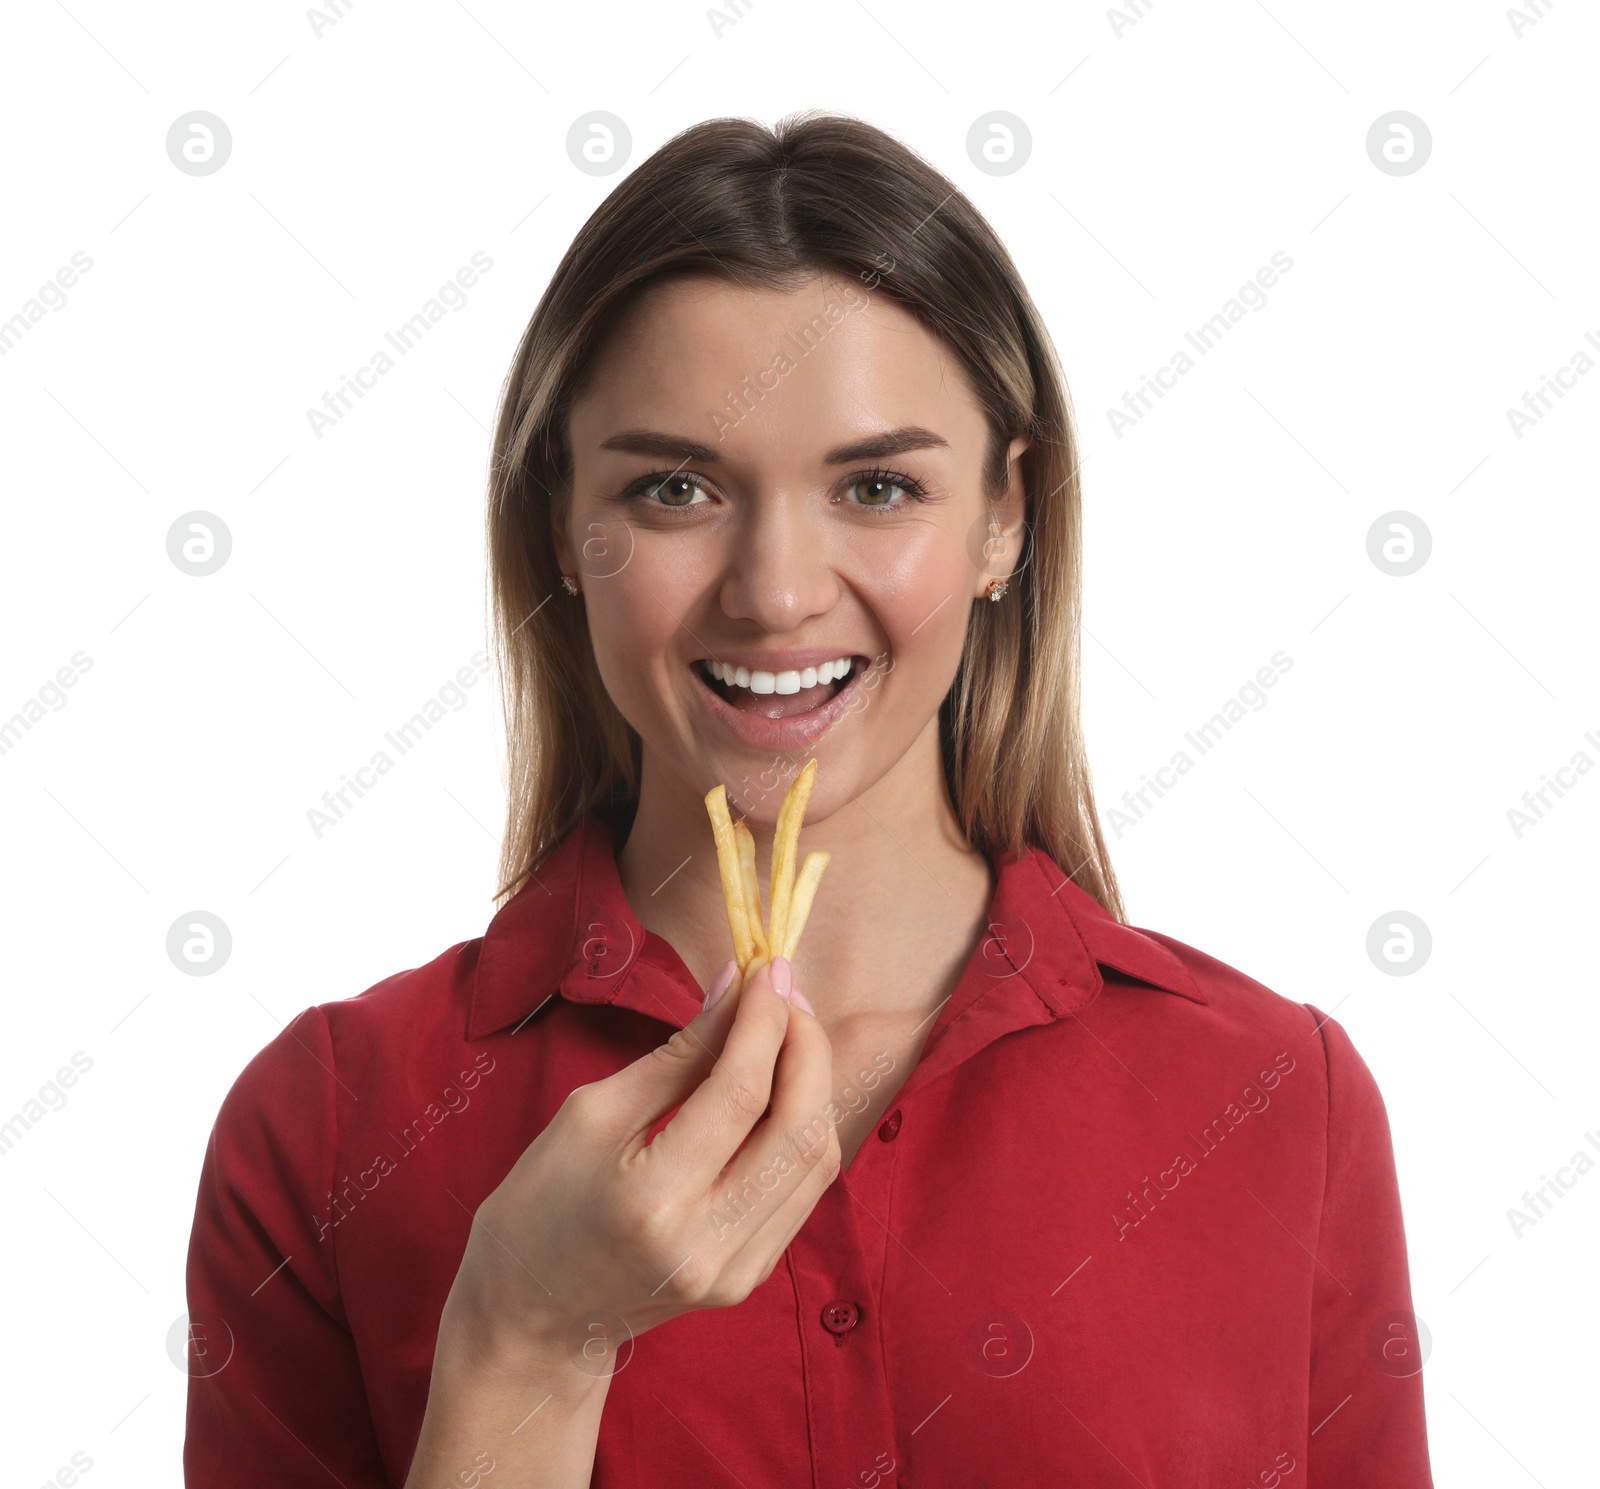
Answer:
[(752, 887), (805, 890), (790, 896), (785, 846), (757, 962), (732, 875)]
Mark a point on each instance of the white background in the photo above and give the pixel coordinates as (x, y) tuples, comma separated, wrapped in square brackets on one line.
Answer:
[(1171, 157)]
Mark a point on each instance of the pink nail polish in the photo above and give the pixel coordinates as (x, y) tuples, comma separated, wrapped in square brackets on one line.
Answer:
[(782, 976), (800, 1000), (720, 985)]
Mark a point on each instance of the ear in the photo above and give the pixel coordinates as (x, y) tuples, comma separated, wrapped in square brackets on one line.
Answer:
[(1001, 544), (561, 535)]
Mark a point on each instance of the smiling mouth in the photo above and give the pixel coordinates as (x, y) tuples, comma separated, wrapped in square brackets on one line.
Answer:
[(778, 695)]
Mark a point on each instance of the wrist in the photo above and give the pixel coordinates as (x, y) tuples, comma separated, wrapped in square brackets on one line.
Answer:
[(479, 1350)]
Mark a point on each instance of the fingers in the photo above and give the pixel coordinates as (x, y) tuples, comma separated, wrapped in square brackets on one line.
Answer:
[(772, 1052), (770, 1234), (673, 1072), (769, 1190), (797, 1139)]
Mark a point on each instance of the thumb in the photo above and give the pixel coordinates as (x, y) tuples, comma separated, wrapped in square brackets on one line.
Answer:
[(659, 1079)]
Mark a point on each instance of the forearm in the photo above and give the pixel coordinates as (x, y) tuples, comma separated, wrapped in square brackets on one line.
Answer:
[(525, 1414)]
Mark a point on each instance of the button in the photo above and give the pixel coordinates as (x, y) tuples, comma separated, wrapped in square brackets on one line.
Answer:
[(605, 948), (840, 1316), (889, 1128)]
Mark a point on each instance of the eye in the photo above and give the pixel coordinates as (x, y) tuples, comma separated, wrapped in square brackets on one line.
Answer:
[(673, 491), (882, 489), (876, 492)]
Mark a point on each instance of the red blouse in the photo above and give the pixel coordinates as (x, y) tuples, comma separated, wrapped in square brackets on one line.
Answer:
[(1131, 1219)]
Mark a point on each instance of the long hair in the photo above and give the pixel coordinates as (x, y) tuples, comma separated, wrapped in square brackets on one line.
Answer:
[(770, 207)]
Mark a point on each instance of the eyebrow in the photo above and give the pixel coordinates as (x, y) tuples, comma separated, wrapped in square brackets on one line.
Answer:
[(873, 447), (650, 442), (890, 442)]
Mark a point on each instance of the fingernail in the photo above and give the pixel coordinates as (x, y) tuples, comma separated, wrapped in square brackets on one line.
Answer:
[(800, 1000), (720, 984), (782, 976)]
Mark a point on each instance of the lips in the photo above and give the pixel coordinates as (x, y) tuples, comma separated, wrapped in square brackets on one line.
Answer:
[(786, 702)]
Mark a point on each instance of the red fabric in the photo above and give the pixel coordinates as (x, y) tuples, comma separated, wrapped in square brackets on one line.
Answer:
[(1133, 1217)]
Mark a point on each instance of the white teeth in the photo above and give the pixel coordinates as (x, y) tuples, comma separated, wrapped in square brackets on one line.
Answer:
[(792, 681)]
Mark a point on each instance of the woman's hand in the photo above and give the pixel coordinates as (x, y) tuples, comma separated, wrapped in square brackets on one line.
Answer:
[(598, 1232)]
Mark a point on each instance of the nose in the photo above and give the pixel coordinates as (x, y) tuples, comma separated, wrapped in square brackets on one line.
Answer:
[(779, 574)]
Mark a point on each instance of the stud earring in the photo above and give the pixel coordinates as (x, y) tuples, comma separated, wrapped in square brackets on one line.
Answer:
[(568, 585), (997, 587)]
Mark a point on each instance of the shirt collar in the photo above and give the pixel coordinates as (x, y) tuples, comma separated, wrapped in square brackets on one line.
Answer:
[(570, 932)]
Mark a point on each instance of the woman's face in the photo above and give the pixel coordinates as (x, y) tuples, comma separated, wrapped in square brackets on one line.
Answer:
[(779, 527)]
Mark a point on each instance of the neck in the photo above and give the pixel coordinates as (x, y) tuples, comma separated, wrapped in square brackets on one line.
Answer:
[(900, 904)]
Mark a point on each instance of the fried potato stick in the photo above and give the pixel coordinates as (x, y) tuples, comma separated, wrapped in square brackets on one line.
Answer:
[(752, 887), (785, 847), (805, 890), (728, 865)]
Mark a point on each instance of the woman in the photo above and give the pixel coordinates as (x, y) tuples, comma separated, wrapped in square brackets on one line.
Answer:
[(988, 1186)]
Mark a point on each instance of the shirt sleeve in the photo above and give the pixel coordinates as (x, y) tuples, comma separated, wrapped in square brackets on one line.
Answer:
[(276, 1396), (1367, 1424)]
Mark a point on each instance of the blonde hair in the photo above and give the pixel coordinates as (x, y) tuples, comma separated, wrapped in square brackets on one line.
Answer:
[(820, 193)]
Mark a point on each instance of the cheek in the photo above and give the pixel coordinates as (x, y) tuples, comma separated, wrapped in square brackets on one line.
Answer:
[(922, 597), (631, 625)]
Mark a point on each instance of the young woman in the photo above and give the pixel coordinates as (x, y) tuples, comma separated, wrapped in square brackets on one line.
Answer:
[(988, 1187)]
